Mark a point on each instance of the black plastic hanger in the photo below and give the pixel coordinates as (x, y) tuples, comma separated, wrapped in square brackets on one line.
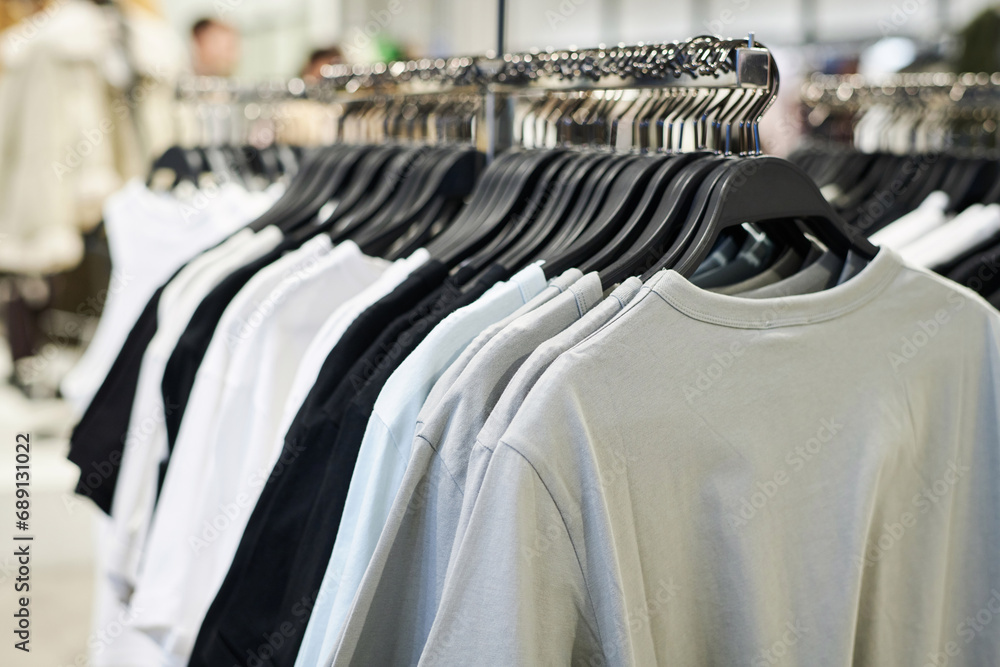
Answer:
[(495, 181), (520, 187), (663, 225), (307, 180), (774, 192), (541, 199), (578, 185), (622, 201), (453, 178), (186, 166), (605, 255), (371, 205), (612, 187)]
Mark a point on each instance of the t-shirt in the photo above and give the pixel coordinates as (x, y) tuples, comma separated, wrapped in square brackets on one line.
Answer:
[(182, 366), (95, 445), (226, 437), (556, 287), (815, 483), (150, 236), (142, 440), (521, 383), (980, 273), (400, 586), (145, 441), (919, 222), (98, 439), (384, 450), (971, 227), (282, 510), (341, 430)]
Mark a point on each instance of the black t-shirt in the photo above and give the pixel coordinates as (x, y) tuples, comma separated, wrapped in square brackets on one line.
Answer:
[(981, 272), (994, 299), (294, 576), (98, 439), (251, 596), (182, 366)]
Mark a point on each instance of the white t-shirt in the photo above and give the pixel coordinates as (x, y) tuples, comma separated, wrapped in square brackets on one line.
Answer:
[(333, 328), (924, 219), (146, 439), (150, 235), (971, 227), (225, 445)]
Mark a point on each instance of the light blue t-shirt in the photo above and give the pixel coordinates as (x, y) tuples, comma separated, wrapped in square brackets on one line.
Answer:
[(385, 448)]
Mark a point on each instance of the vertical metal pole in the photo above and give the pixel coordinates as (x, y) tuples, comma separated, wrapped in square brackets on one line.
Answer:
[(491, 102), (501, 28)]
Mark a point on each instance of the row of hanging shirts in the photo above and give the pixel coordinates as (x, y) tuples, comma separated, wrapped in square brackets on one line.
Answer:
[(577, 405)]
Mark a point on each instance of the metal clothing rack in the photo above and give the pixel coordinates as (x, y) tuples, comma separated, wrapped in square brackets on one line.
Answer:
[(704, 62), (919, 112), (504, 84)]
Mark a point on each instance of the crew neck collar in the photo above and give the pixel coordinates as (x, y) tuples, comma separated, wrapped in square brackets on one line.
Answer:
[(780, 311)]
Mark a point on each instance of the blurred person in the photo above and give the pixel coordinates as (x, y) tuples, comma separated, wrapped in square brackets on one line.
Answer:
[(312, 70), (86, 92), (216, 48)]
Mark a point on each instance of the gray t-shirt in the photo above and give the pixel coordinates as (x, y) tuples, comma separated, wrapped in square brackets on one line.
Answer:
[(818, 276), (522, 382), (709, 480), (786, 265), (396, 602), (556, 286)]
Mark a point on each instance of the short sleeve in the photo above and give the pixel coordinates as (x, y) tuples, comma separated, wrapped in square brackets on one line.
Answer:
[(515, 594)]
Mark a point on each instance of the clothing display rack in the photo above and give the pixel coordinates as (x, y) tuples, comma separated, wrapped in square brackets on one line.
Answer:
[(913, 162), (531, 359), (695, 66), (905, 113)]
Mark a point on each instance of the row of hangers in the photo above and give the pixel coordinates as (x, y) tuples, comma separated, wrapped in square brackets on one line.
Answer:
[(570, 196), (902, 111)]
